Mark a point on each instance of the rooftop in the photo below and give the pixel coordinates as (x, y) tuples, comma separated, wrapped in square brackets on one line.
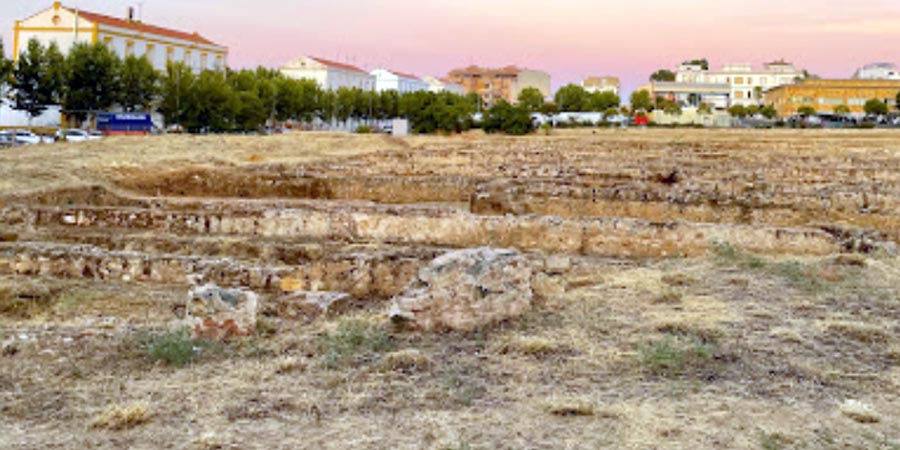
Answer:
[(337, 65), (139, 26)]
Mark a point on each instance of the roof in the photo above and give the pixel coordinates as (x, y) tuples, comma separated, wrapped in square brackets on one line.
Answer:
[(403, 75), (142, 27), (600, 81), (337, 65), (475, 70), (842, 84)]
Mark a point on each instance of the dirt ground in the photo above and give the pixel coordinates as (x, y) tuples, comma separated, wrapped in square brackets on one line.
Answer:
[(719, 348)]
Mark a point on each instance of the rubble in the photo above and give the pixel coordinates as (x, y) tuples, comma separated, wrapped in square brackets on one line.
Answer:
[(217, 314), (465, 290)]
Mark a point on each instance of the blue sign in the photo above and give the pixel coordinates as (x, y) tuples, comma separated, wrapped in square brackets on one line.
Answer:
[(118, 123)]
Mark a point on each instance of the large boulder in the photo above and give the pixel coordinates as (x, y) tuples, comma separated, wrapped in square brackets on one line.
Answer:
[(466, 289), (215, 313)]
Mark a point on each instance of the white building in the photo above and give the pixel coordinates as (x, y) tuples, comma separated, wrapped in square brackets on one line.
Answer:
[(126, 36), (746, 84), (392, 80), (329, 75), (878, 71), (438, 85)]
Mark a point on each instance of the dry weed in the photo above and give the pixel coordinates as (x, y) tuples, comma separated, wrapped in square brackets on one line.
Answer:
[(121, 417), (570, 407)]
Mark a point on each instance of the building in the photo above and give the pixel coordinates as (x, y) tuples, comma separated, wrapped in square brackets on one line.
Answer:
[(877, 71), (825, 95), (693, 94), (126, 36), (437, 85), (392, 80), (601, 84), (330, 75), (745, 83), (494, 85)]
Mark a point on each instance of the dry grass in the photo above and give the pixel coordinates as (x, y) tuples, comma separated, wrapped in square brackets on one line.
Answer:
[(123, 417), (569, 407), (731, 350)]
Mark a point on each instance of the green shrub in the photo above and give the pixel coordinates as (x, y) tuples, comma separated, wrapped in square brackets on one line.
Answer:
[(175, 348), (363, 129), (509, 119), (675, 355), (353, 341)]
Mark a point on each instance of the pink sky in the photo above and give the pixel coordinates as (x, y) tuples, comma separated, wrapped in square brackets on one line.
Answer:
[(570, 39)]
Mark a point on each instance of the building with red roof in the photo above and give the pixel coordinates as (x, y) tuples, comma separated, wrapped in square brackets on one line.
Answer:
[(126, 36), (394, 80), (330, 75)]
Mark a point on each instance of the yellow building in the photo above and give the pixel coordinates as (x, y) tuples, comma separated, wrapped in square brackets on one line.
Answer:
[(125, 36), (506, 83), (825, 95)]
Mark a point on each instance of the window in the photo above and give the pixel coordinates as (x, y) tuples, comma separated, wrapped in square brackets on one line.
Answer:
[(219, 62), (739, 94), (738, 80), (831, 101), (150, 52)]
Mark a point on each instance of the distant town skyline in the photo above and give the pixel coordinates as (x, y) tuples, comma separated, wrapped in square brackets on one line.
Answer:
[(571, 39)]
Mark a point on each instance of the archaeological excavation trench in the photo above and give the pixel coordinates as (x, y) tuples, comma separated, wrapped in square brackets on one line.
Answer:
[(365, 225)]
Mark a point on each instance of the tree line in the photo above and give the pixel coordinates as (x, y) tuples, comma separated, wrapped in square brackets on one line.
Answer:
[(92, 78)]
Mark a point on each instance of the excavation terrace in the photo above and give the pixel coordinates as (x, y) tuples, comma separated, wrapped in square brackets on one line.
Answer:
[(601, 215)]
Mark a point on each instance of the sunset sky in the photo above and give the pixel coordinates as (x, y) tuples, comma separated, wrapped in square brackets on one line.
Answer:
[(570, 39)]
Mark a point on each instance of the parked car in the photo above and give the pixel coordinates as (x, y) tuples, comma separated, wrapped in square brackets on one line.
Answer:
[(6, 138), (25, 137), (76, 135)]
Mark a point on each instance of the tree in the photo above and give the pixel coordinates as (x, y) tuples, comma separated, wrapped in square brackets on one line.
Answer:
[(752, 110), (55, 75), (430, 112), (898, 100), (704, 109), (806, 111), (176, 89), (531, 99), (640, 101), (94, 80), (571, 98), (842, 110), (601, 101), (6, 70), (255, 98), (389, 104), (139, 84), (213, 104), (30, 81), (6, 66), (663, 75), (549, 109), (701, 62), (509, 119), (875, 107), (737, 111), (769, 112), (672, 108)]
